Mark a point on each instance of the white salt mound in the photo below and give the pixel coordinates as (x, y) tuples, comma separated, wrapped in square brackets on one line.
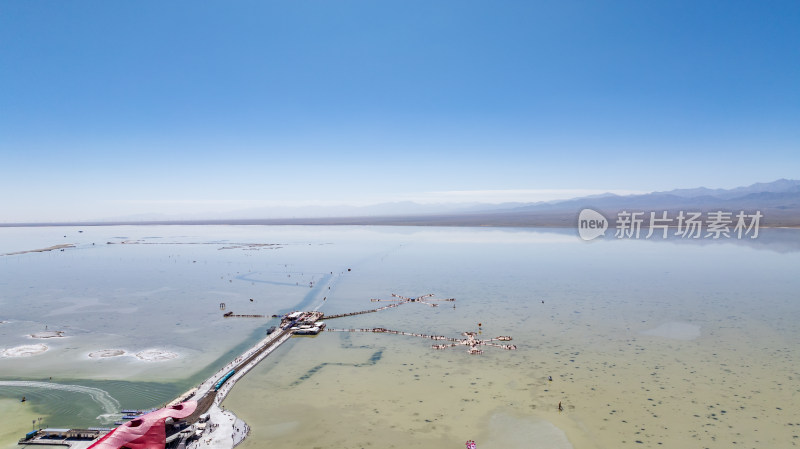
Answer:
[(155, 355), (24, 351), (48, 334), (106, 353)]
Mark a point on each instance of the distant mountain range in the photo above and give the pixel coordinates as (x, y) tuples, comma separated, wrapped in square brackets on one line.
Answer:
[(781, 195), (778, 201)]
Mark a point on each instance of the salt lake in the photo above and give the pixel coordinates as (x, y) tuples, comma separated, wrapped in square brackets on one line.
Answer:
[(649, 343)]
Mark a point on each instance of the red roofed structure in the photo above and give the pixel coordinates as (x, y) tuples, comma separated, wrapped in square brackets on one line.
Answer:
[(147, 431)]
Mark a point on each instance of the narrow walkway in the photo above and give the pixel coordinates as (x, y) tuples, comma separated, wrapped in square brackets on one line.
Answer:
[(471, 341), (205, 395), (340, 315)]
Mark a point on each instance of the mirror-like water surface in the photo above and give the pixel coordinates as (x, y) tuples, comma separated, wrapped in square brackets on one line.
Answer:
[(649, 343)]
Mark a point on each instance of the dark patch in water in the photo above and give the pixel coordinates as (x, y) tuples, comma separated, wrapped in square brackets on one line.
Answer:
[(347, 342), (371, 361), (376, 357)]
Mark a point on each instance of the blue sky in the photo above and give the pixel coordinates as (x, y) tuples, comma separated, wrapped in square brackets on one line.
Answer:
[(121, 108)]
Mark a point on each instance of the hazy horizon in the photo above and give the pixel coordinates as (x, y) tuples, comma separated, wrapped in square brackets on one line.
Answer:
[(440, 201), (444, 203)]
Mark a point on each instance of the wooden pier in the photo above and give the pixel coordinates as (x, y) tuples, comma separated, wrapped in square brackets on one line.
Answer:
[(472, 342), (342, 315), (210, 394), (233, 315)]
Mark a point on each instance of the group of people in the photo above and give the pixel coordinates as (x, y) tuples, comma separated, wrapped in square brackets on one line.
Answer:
[(471, 444)]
